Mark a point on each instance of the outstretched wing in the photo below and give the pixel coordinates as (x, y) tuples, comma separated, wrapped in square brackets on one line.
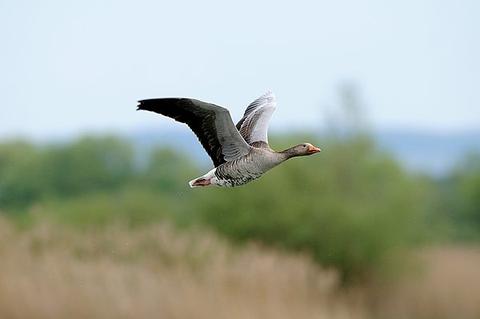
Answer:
[(212, 124), (254, 124)]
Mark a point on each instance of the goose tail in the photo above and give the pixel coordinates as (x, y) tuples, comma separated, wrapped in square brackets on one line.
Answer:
[(205, 180)]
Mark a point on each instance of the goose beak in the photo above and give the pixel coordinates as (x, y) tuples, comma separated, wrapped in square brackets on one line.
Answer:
[(312, 149)]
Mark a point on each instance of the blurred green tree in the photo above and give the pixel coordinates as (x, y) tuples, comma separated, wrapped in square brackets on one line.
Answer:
[(29, 173), (459, 199), (167, 170), (88, 165), (20, 174)]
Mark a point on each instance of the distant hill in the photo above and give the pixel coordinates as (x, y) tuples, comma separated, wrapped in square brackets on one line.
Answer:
[(420, 151), (429, 152)]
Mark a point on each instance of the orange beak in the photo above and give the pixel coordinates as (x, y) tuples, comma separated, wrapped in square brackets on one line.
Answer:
[(312, 149)]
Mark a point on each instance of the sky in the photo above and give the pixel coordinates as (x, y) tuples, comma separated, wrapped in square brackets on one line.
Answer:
[(72, 67)]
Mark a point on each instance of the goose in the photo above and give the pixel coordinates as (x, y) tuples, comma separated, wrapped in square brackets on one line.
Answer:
[(240, 153)]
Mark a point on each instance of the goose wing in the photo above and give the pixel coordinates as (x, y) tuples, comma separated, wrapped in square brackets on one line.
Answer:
[(254, 124), (212, 124)]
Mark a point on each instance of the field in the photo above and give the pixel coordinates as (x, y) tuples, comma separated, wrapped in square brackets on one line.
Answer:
[(49, 271)]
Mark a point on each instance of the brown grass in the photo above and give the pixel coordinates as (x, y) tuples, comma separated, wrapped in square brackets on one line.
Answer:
[(51, 272), (445, 285), (156, 273)]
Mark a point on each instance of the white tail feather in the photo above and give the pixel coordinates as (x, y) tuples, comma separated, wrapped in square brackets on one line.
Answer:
[(209, 176)]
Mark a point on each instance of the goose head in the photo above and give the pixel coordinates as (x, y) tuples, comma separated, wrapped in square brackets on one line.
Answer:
[(303, 149)]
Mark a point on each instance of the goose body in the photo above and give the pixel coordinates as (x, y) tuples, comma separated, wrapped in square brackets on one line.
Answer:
[(242, 170), (240, 153)]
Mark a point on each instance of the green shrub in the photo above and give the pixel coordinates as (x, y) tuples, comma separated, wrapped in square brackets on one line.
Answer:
[(21, 180), (459, 197)]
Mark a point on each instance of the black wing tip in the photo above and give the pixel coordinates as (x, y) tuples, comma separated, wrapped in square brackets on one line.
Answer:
[(143, 105), (156, 104)]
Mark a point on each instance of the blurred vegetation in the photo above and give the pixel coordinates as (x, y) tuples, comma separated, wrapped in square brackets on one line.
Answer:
[(352, 207), (458, 200), (352, 210)]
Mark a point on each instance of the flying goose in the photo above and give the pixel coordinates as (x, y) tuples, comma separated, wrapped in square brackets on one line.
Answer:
[(239, 153)]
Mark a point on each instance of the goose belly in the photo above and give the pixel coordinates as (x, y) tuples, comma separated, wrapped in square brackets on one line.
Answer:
[(233, 174)]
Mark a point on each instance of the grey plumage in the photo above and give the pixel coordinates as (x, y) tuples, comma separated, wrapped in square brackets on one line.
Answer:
[(240, 153), (249, 167)]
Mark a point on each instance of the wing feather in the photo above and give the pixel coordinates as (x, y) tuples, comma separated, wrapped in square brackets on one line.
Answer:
[(212, 124), (254, 124)]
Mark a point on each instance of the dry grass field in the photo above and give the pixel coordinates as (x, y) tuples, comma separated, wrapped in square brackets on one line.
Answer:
[(51, 272)]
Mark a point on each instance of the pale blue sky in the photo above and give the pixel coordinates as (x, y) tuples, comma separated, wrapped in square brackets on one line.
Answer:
[(68, 67)]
